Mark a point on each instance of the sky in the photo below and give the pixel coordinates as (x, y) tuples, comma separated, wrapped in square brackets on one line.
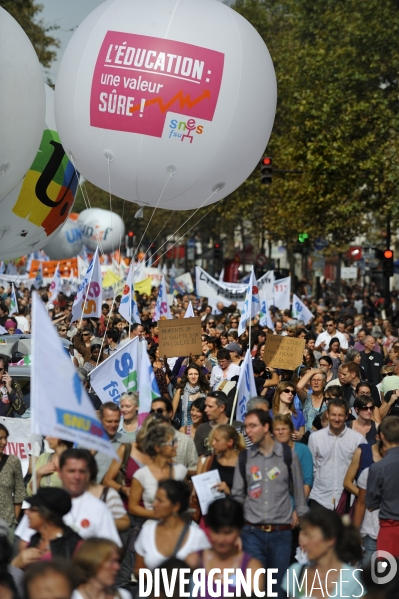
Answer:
[(67, 14)]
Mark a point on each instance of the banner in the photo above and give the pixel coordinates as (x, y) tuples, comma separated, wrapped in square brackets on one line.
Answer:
[(283, 352), (220, 291), (88, 299), (282, 292), (180, 337), (128, 307), (143, 286), (13, 301), (50, 266), (55, 286), (300, 310), (265, 319), (251, 305), (148, 387), (62, 409), (19, 441), (118, 373), (162, 310), (245, 387), (184, 283)]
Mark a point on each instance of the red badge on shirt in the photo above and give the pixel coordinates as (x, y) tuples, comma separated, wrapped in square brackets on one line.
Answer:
[(85, 523)]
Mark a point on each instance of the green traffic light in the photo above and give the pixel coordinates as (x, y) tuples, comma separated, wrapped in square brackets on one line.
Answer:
[(303, 237)]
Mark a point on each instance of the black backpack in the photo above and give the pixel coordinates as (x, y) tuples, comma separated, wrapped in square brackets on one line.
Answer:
[(287, 456)]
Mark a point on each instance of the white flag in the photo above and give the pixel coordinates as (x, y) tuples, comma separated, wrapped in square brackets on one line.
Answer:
[(189, 312), (251, 305), (245, 387), (282, 292), (118, 373), (13, 301), (162, 311), (38, 280), (64, 412), (148, 387), (265, 319), (128, 307), (88, 299), (300, 310), (55, 286), (82, 268)]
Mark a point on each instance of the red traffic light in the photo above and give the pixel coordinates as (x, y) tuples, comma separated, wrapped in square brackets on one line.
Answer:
[(388, 254), (131, 234), (267, 160)]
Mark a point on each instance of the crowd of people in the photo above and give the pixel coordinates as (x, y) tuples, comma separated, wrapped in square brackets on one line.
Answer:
[(307, 479)]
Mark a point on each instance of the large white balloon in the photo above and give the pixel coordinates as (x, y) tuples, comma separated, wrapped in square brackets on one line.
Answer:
[(175, 92), (101, 227), (68, 242), (35, 210), (22, 103)]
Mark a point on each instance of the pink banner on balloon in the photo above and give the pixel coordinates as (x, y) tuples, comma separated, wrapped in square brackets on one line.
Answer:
[(138, 79)]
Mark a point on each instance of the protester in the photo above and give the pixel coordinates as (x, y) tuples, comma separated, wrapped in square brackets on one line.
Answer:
[(47, 464), (216, 406), (97, 563), (198, 417), (283, 403), (49, 580), (170, 534), (193, 385), (12, 490), (129, 403), (223, 371), (110, 416), (313, 403), (364, 408), (11, 397)]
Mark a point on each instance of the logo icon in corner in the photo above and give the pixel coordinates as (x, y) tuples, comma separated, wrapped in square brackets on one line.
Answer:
[(383, 567)]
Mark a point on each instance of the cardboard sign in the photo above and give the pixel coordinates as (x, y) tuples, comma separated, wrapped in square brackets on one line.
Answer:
[(180, 337), (283, 352)]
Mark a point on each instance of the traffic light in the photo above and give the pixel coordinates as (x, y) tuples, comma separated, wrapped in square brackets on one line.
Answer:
[(217, 252), (266, 170), (303, 237), (129, 239), (387, 263)]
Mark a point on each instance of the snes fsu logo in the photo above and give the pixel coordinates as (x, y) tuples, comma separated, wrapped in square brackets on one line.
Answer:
[(185, 130)]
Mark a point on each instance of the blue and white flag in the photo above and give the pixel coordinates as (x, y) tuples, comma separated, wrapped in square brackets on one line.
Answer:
[(128, 307), (67, 413), (162, 311), (245, 387), (148, 387), (56, 284), (189, 312), (2, 268), (118, 374), (265, 319), (300, 310), (88, 299), (251, 305), (38, 280), (282, 293), (13, 301)]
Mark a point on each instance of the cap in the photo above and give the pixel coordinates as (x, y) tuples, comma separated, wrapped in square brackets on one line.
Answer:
[(56, 500), (234, 347), (10, 324), (95, 341)]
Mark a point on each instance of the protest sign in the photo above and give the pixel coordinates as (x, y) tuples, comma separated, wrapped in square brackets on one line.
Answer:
[(180, 337), (283, 352), (19, 441)]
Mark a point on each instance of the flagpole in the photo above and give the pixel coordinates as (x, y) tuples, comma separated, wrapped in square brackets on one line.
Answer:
[(234, 406)]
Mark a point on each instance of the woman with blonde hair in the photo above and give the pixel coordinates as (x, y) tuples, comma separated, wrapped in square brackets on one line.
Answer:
[(313, 402), (129, 421), (97, 563), (283, 403), (226, 443)]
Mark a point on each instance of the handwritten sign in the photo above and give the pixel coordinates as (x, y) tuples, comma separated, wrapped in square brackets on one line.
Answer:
[(283, 352), (180, 337)]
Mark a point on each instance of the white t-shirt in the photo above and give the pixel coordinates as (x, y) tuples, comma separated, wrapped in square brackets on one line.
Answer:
[(218, 375), (23, 323), (89, 517), (326, 337), (145, 544), (371, 523), (150, 483)]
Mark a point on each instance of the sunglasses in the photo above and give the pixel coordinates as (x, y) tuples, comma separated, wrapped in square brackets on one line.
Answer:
[(33, 509), (62, 330), (368, 409), (85, 334), (170, 443), (288, 391), (158, 411), (213, 322)]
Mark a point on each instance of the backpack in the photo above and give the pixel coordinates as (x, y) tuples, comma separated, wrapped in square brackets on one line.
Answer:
[(287, 457)]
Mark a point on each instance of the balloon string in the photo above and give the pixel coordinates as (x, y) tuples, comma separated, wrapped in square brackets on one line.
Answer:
[(154, 240), (110, 201), (170, 175), (120, 236), (86, 200)]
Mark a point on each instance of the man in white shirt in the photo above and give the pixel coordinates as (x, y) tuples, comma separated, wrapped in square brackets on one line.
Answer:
[(323, 340), (89, 516), (224, 370), (332, 449)]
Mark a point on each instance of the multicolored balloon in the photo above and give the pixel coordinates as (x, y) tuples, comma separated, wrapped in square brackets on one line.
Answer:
[(35, 210)]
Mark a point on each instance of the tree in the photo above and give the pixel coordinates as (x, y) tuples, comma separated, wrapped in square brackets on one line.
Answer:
[(25, 13)]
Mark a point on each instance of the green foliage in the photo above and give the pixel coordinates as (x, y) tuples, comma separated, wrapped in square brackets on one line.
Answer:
[(25, 13)]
